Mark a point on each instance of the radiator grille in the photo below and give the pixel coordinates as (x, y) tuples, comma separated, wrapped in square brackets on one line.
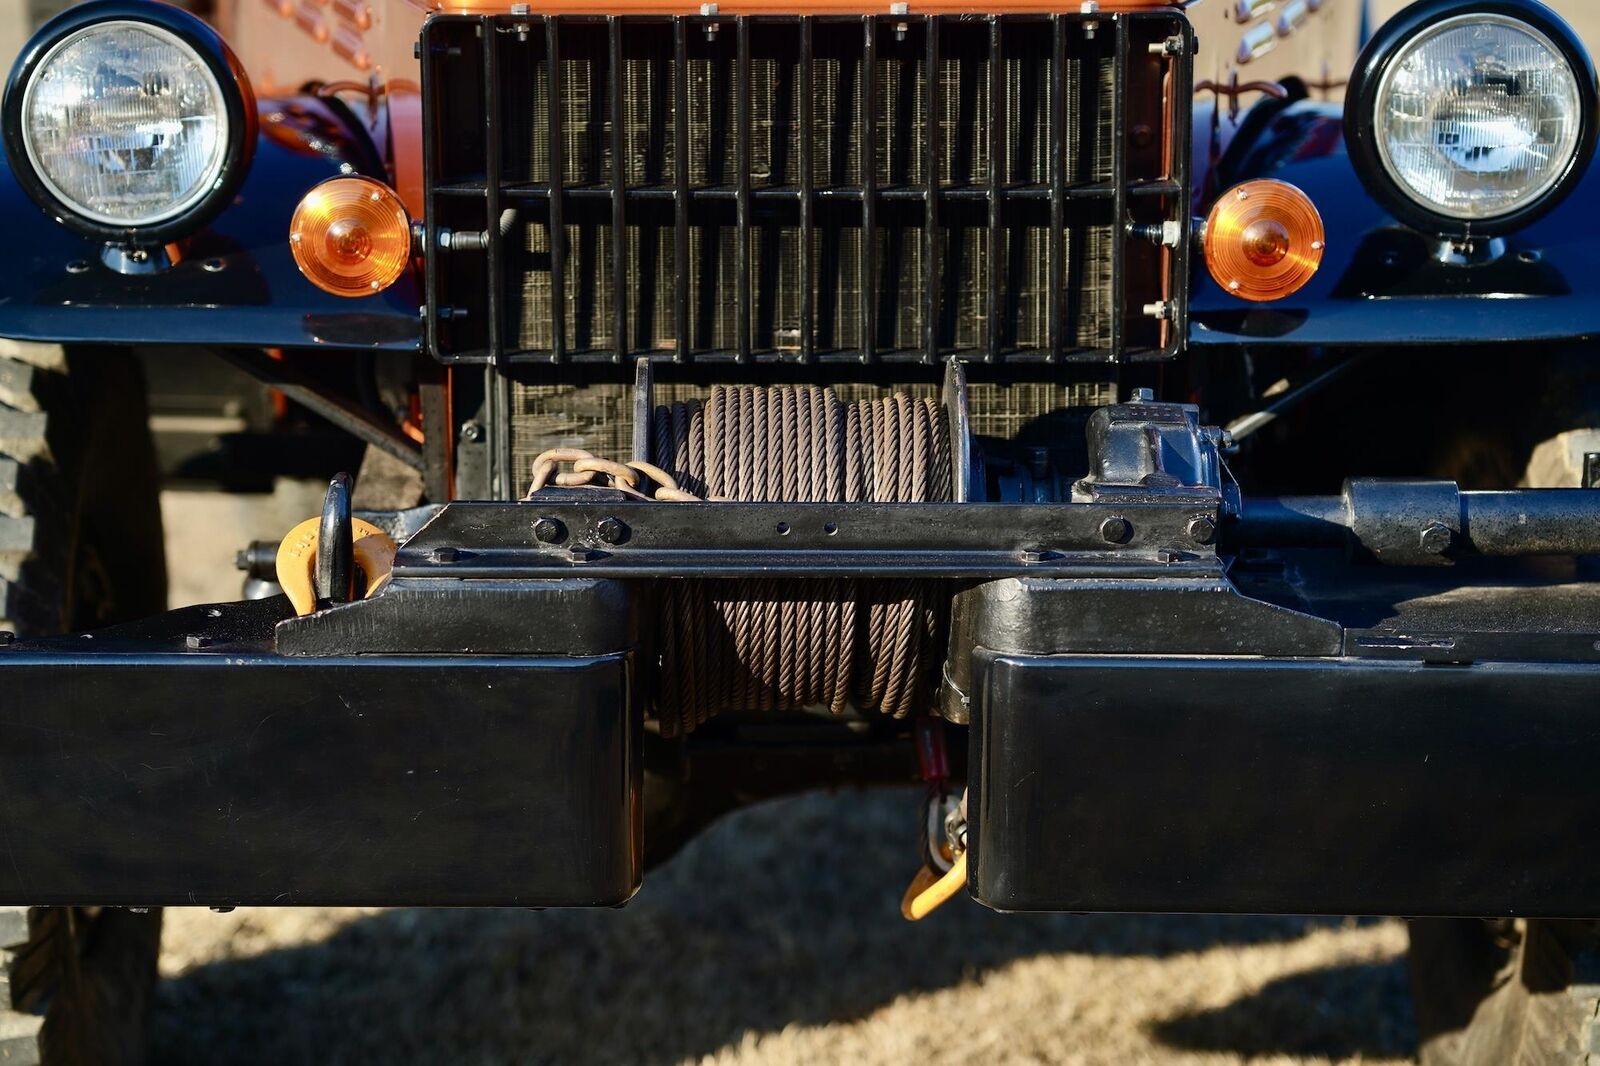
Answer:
[(781, 188)]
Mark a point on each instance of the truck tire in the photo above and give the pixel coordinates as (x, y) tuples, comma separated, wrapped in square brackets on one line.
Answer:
[(1522, 993), (80, 547)]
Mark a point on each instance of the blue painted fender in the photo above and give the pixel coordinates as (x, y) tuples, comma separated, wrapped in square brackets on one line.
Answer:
[(235, 282), (1381, 284)]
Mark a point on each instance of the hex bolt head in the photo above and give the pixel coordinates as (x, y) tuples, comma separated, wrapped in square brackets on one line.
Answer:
[(611, 530), (548, 530), (444, 555), (1436, 538), (472, 432), (1116, 530), (1202, 530), (194, 641), (7, 637)]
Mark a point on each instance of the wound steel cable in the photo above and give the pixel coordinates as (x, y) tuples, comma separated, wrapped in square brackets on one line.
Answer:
[(774, 644)]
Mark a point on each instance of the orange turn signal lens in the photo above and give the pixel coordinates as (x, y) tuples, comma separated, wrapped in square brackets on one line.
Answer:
[(1264, 240), (351, 236)]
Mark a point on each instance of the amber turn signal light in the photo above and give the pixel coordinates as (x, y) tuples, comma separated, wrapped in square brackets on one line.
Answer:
[(1264, 240), (351, 236)]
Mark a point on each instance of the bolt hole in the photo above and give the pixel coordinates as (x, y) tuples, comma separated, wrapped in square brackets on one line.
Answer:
[(829, 528), (783, 529)]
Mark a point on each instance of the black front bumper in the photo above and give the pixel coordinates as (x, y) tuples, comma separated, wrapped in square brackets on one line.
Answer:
[(1152, 728), (1316, 786), (140, 770)]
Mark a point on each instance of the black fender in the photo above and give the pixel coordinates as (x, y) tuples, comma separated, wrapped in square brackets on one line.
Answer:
[(1383, 284), (233, 283)]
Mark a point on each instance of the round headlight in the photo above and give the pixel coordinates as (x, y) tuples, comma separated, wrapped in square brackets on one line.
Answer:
[(128, 128), (1472, 118)]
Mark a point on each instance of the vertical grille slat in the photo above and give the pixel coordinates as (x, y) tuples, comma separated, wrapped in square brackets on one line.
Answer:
[(992, 324), (1119, 177), (866, 163), (619, 206), (557, 233), (808, 287), (1058, 186), (742, 103), (491, 165), (930, 180), (680, 191), (822, 188)]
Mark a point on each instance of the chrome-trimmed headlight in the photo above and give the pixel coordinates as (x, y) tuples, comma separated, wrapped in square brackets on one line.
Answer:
[(1472, 117), (129, 121)]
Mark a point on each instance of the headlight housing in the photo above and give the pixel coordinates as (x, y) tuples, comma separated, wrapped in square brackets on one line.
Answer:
[(129, 121), (1472, 118)]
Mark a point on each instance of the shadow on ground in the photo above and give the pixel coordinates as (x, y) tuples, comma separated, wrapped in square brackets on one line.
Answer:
[(783, 914), (1354, 1011)]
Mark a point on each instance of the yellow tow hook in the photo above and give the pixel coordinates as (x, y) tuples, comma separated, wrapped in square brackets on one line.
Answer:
[(297, 560), (930, 890), (944, 853)]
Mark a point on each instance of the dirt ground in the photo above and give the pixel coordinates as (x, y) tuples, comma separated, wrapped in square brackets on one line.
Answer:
[(776, 939)]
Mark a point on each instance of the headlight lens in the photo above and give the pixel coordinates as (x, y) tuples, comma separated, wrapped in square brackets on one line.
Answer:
[(126, 124), (1478, 117)]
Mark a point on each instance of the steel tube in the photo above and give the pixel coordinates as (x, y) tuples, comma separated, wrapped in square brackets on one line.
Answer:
[(1518, 522)]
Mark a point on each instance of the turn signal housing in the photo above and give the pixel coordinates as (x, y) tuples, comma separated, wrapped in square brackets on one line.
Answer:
[(351, 236), (1264, 240)]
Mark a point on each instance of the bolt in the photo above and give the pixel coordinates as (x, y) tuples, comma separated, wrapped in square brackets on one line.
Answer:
[(580, 552), (221, 910), (1038, 555), (548, 530), (1142, 396), (1116, 530), (444, 555), (1436, 538), (611, 530), (1202, 530), (472, 432), (7, 637), (194, 641), (138, 910)]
